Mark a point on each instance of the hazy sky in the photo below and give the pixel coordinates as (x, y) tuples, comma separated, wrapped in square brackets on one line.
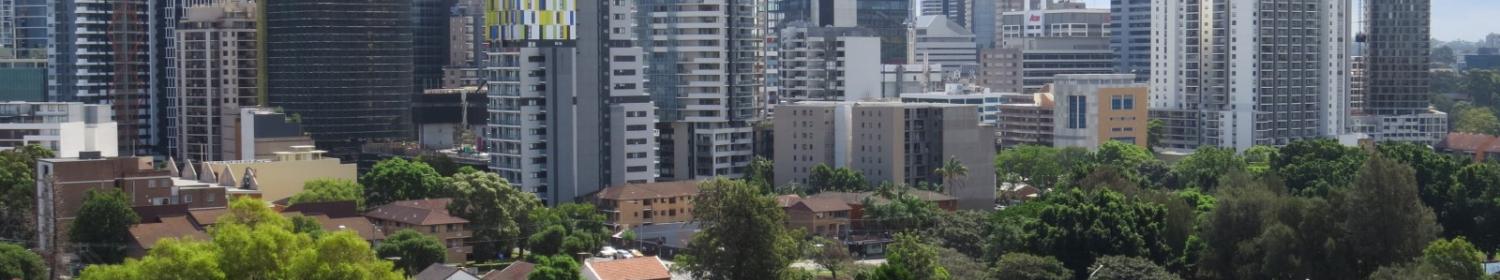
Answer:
[(1469, 20)]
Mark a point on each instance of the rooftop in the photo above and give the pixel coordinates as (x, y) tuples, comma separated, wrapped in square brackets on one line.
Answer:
[(645, 268), (650, 190), (417, 212)]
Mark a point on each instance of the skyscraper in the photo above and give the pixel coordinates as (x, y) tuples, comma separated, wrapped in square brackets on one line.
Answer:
[(1036, 45), (429, 35), (1240, 73), (940, 40), (568, 110), (1130, 37), (107, 52), (216, 76), (1394, 76), (343, 66), (890, 19), (703, 64), (956, 10), (23, 28)]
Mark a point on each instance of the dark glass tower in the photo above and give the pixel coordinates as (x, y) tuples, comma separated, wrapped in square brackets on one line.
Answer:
[(343, 66), (429, 19), (1398, 56), (889, 19)]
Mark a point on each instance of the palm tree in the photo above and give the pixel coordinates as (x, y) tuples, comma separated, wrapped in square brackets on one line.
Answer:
[(951, 171)]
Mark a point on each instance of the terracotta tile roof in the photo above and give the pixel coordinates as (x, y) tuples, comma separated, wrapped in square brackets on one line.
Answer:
[(417, 212), (360, 225), (822, 204), (847, 197), (858, 198), (787, 200), (209, 216), (146, 235), (516, 271), (1470, 142), (645, 268), (650, 190)]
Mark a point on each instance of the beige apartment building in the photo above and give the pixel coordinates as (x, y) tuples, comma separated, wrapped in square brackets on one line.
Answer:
[(888, 141), (427, 216), (632, 205), (1027, 123), (1096, 108)]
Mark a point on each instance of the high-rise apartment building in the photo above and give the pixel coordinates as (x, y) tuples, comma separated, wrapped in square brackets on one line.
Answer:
[(1130, 37), (703, 70), (828, 63), (940, 40), (569, 114), (110, 52), (66, 128), (1391, 100), (888, 142), (216, 76), (1248, 72), (23, 28), (343, 66)]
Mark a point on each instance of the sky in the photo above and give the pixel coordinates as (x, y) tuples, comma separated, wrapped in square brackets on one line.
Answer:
[(1469, 20)]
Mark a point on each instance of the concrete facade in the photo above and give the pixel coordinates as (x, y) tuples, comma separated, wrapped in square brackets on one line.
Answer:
[(828, 63), (64, 128), (1027, 123), (938, 39), (887, 141), (1093, 109), (216, 76)]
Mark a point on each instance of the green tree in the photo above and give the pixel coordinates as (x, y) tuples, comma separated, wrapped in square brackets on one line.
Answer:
[(964, 231), (329, 190), (341, 255), (102, 228), (1154, 130), (1444, 56), (831, 255), (415, 250), (1390, 213), (1020, 266), (741, 234), (1122, 154), (1483, 86), (247, 245), (951, 172), (308, 225), (962, 266), (1314, 167), (1036, 166), (558, 267), (825, 178), (1128, 268), (444, 165), (495, 211), (18, 263), (762, 174), (568, 228), (1206, 166), (1078, 227), (18, 191), (911, 253), (397, 179), (1258, 158), (895, 208), (1480, 120), (1475, 193), (1455, 259)]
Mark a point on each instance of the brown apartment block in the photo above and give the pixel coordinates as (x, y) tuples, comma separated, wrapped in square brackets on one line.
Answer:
[(827, 217), (1027, 123), (63, 183), (427, 216), (632, 205)]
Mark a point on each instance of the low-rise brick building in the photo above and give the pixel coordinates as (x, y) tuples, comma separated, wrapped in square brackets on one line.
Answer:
[(428, 216), (632, 205)]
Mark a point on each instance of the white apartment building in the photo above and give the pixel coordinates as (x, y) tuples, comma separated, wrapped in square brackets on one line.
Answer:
[(828, 63), (988, 102), (570, 116), (1238, 73), (704, 70), (216, 76), (938, 40), (896, 79), (64, 128)]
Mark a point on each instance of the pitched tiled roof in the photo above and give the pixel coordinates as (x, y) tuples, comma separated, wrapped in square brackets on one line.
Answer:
[(858, 198), (822, 204), (645, 268), (650, 190), (785, 201), (147, 234), (437, 271), (516, 271), (208, 216), (417, 212)]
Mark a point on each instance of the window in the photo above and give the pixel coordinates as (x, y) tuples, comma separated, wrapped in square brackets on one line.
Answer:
[(636, 127), (1077, 111), (187, 198)]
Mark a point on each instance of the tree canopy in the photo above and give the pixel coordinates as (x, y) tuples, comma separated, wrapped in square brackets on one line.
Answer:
[(412, 250), (1021, 266), (101, 230), (741, 234), (568, 228), (1479, 120), (1078, 227), (1314, 167), (1129, 268), (18, 263), (246, 244), (397, 179), (329, 190), (495, 211), (18, 191), (843, 179), (557, 267)]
